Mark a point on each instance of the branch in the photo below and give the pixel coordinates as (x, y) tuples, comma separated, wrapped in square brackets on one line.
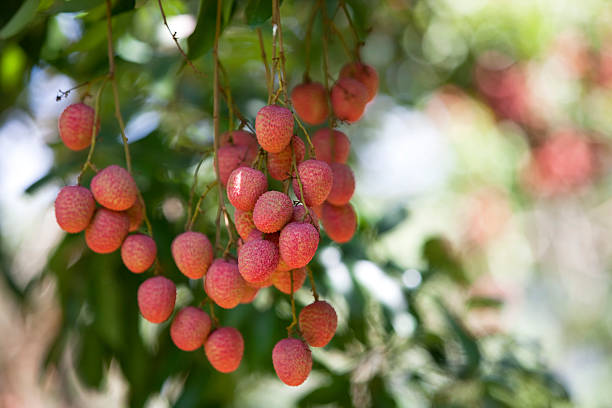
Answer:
[(221, 205)]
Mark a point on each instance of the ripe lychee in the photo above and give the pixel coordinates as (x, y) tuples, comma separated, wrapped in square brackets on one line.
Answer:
[(274, 128), (298, 243), (363, 73), (316, 179), (156, 297), (249, 294), (343, 185), (349, 98), (282, 280), (244, 223), (114, 188), (272, 211), (310, 102), (190, 328), (224, 284), (192, 253), (138, 252), (317, 209), (292, 361), (136, 214), (242, 138), (331, 145), (230, 158), (279, 164), (339, 222), (224, 348), (260, 285), (74, 207), (318, 322), (299, 215), (257, 260), (76, 126), (106, 231), (244, 187)]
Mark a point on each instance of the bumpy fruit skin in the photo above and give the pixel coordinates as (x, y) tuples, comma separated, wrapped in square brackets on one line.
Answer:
[(279, 164), (106, 231), (349, 98), (299, 215), (274, 128), (114, 188), (310, 102), (316, 178), (76, 126), (339, 222), (343, 184), (74, 207), (331, 145), (318, 322), (224, 348), (224, 284), (241, 138), (136, 214), (244, 223), (366, 74), (257, 260), (249, 294), (138, 252), (272, 211), (192, 253), (292, 361), (230, 158), (244, 187), (156, 297), (298, 244), (282, 280), (190, 328)]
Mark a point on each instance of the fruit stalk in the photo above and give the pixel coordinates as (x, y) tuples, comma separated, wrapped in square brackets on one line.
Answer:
[(216, 123), (94, 130)]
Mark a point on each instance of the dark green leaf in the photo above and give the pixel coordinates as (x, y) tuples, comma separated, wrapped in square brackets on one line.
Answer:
[(467, 341), (203, 37), (258, 12), (20, 20), (90, 362)]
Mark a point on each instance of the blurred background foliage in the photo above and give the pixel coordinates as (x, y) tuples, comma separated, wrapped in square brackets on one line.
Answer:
[(479, 275)]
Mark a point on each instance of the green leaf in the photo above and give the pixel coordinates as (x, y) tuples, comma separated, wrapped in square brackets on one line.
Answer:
[(71, 6), (203, 37), (467, 341), (439, 256), (258, 12), (20, 20), (476, 302), (90, 364)]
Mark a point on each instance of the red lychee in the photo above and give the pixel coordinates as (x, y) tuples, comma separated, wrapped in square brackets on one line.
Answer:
[(299, 215), (279, 164), (74, 207), (242, 138), (190, 328), (274, 128), (272, 211), (349, 98), (138, 252), (317, 209), (282, 280), (230, 158), (224, 284), (76, 126), (363, 73), (331, 145), (156, 297), (257, 260), (106, 231), (316, 179), (292, 361), (249, 294), (343, 185), (310, 102), (298, 243), (192, 253), (224, 348), (244, 223), (136, 214), (244, 187), (339, 222), (263, 284), (318, 322), (114, 188)]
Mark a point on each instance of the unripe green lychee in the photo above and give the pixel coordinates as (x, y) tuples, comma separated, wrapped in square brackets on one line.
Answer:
[(224, 284), (339, 222), (272, 211), (230, 158), (331, 145), (343, 185), (298, 244), (114, 188), (274, 128), (74, 207), (76, 126), (136, 214), (310, 102), (244, 223), (190, 328), (292, 361), (192, 253), (244, 187), (279, 164), (257, 260), (318, 322), (282, 280), (316, 179), (363, 73), (138, 252), (249, 294), (224, 348), (242, 138), (106, 231), (349, 98), (156, 297)]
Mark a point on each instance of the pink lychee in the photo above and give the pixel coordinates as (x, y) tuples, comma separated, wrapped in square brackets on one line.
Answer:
[(331, 145), (318, 322), (192, 253), (74, 207), (156, 297), (138, 252), (272, 211), (310, 102), (363, 73), (224, 348), (316, 181), (339, 222), (274, 128), (106, 231), (298, 244), (224, 284), (114, 188), (343, 184), (190, 328), (279, 164), (257, 260), (292, 361), (282, 279), (349, 98), (244, 187), (76, 126)]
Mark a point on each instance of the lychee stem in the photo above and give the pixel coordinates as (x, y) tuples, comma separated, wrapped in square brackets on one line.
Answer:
[(94, 132), (198, 209), (358, 42), (312, 284), (294, 317), (192, 190), (307, 40), (282, 76), (297, 176), (269, 81), (216, 123), (345, 47)]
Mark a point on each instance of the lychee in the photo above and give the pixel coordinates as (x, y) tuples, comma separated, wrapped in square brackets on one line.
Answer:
[(106, 231), (156, 297), (257, 260), (298, 244), (343, 185), (260, 285), (292, 361), (242, 138), (349, 98), (331, 145), (274, 128), (282, 279), (136, 214), (114, 188), (76, 126), (310, 102), (192, 253), (244, 223), (318, 322), (244, 187), (363, 73), (230, 158), (190, 328), (138, 252), (224, 348), (279, 164), (74, 207), (224, 284), (249, 293), (272, 211), (299, 215), (316, 179), (339, 222)]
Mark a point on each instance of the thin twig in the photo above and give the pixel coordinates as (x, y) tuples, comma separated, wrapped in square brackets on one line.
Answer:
[(269, 79), (358, 42), (312, 284), (216, 124), (64, 94), (192, 190), (94, 132), (294, 317), (198, 208), (345, 47)]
